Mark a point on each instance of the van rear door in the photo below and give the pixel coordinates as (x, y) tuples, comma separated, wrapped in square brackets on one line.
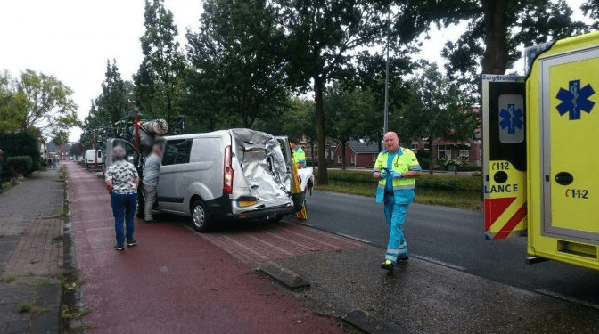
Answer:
[(262, 172)]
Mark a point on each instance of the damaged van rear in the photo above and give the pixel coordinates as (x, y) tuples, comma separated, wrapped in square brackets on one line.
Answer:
[(236, 174)]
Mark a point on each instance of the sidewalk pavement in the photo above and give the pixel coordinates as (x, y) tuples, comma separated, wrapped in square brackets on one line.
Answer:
[(31, 254)]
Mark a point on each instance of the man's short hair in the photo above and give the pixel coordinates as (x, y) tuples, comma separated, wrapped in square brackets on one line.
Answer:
[(295, 140)]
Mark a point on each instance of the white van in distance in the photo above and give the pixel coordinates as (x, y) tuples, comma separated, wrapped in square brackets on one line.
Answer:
[(92, 158)]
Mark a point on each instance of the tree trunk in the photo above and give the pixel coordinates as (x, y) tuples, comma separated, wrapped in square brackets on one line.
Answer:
[(495, 56), (343, 163), (322, 177)]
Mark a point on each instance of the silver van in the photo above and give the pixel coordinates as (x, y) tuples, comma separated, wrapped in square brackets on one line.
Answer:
[(237, 174)]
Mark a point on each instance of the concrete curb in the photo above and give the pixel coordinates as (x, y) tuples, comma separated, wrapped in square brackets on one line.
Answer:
[(372, 324), (288, 278)]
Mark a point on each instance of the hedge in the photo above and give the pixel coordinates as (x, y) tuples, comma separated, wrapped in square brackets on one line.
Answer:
[(22, 164), (425, 181), (21, 144)]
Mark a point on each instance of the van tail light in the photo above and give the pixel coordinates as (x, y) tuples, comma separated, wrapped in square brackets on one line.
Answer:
[(228, 171)]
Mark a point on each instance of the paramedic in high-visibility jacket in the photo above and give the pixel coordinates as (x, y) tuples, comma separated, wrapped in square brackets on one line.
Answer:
[(298, 154), (396, 167)]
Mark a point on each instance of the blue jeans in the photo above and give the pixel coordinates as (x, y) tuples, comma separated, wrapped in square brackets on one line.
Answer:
[(395, 215), (123, 208)]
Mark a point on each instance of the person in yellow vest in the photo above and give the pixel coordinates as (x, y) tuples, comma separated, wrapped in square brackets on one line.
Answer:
[(298, 154), (396, 167)]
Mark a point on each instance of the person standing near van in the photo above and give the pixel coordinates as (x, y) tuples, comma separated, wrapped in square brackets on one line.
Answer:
[(397, 168), (298, 154), (150, 180), (121, 181)]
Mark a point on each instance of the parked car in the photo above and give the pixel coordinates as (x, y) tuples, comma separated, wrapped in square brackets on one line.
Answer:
[(228, 175)]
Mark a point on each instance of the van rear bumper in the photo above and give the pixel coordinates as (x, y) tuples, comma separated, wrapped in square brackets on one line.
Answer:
[(221, 209)]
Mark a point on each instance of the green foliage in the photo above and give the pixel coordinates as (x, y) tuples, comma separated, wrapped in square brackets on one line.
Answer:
[(436, 107), (48, 104), (591, 9), (320, 42), (18, 165), (12, 105), (465, 198), (428, 182), (21, 144), (498, 28), (236, 70), (110, 107), (158, 82), (25, 307), (348, 111), (60, 138)]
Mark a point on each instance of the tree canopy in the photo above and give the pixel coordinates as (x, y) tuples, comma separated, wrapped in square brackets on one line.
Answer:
[(496, 28), (159, 78), (236, 71), (37, 102)]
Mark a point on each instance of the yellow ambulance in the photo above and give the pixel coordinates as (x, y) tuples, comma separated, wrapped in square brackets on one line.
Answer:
[(562, 134)]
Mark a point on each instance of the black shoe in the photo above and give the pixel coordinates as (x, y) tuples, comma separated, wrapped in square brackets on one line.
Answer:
[(131, 243), (402, 258), (387, 265), (119, 247)]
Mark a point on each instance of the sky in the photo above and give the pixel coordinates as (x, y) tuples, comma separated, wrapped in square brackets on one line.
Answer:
[(73, 39)]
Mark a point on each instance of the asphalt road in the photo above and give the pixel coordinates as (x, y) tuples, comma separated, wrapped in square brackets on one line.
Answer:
[(455, 238)]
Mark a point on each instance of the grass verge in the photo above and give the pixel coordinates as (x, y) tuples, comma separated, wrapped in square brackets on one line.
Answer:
[(467, 198)]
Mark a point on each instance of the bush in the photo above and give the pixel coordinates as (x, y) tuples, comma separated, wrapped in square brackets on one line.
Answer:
[(351, 176), (425, 181), (22, 164), (19, 145)]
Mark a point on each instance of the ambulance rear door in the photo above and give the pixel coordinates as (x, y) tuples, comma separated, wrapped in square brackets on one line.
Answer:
[(569, 132)]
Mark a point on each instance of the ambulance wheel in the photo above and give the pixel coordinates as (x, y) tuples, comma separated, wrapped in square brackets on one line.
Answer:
[(199, 216)]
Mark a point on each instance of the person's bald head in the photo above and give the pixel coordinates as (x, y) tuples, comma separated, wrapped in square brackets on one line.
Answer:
[(391, 141)]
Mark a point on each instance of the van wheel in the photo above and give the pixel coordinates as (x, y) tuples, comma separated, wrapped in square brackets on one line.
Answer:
[(140, 204), (199, 216)]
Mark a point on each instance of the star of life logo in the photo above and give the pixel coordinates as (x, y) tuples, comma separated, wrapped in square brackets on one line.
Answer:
[(575, 99), (511, 118)]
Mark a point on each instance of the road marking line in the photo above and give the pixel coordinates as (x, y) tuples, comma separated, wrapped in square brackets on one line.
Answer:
[(353, 238), (569, 299), (435, 261)]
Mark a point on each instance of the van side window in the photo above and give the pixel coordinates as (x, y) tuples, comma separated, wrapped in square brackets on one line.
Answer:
[(177, 152)]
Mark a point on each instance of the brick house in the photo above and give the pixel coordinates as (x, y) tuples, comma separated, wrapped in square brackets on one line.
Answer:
[(360, 153), (469, 149)]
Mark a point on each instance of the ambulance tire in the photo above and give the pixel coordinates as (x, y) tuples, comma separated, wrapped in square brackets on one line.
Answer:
[(200, 218)]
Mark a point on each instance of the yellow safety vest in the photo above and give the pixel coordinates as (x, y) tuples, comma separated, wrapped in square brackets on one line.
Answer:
[(402, 164)]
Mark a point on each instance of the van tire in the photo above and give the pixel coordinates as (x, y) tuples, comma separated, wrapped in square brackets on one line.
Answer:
[(200, 219)]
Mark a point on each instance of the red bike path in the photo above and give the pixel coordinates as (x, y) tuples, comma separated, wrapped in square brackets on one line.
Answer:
[(173, 281)]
